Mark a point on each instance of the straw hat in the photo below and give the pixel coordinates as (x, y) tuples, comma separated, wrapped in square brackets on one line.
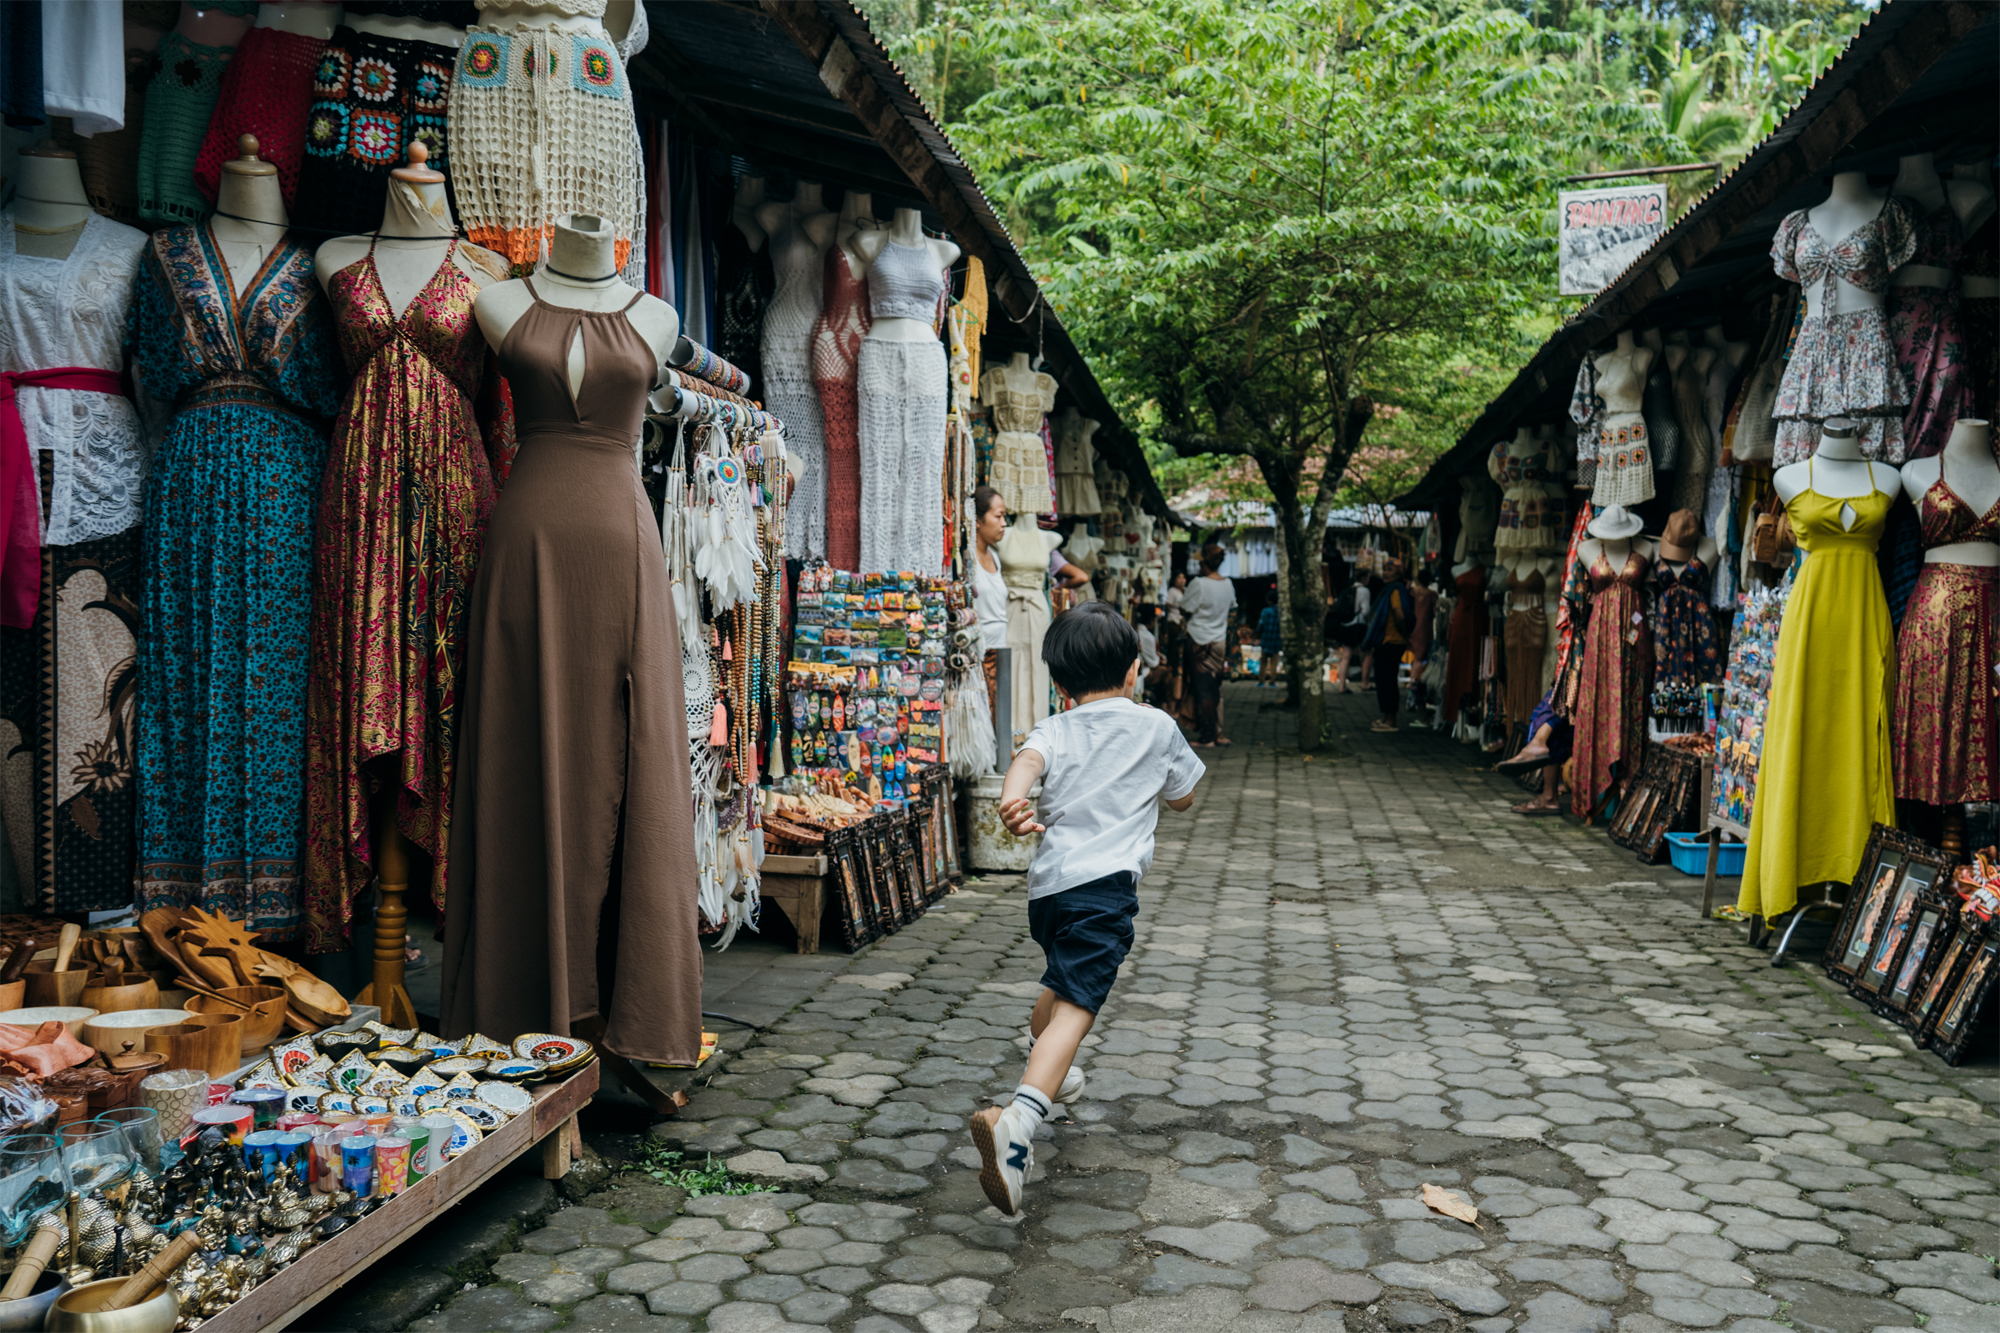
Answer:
[(1677, 543), (1615, 523)]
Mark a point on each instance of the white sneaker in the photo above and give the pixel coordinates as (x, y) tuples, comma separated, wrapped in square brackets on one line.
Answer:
[(1006, 1155), (1072, 1086)]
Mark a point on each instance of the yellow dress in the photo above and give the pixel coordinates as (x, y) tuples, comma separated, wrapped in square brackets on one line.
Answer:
[(1825, 773)]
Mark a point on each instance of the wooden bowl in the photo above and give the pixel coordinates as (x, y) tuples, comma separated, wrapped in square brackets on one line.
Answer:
[(75, 1018), (261, 1025), (191, 1046), (228, 1051), (13, 995), (115, 993), (122, 1033), (46, 986)]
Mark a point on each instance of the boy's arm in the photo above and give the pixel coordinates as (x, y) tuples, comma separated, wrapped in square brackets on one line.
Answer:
[(1182, 804), (1015, 812)]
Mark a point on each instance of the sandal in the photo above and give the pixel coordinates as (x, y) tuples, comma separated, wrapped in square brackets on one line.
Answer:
[(1384, 726), (1535, 809), (1523, 763)]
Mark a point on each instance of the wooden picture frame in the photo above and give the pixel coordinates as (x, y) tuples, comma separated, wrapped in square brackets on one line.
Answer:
[(1881, 862), (1930, 930), (1922, 873), (954, 869), (856, 922), (1957, 1017), (1960, 943)]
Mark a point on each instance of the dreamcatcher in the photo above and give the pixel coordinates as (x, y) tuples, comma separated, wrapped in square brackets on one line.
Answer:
[(726, 554)]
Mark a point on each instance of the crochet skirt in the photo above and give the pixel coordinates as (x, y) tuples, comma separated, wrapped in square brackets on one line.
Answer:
[(904, 389), (266, 91), (372, 97), (1624, 461)]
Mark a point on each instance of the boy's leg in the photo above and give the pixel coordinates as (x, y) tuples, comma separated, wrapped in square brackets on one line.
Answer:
[(1059, 1029)]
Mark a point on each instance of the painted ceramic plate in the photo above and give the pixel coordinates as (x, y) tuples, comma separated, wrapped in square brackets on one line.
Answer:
[(405, 1060), (371, 1106), (336, 1101), (506, 1096), (338, 1044), (385, 1082), (353, 1072), (434, 1100), (461, 1087), (457, 1064), (405, 1103), (516, 1070), (484, 1047), (390, 1036), (549, 1048), (261, 1081), (479, 1113), (421, 1082), (437, 1046), (465, 1135), (302, 1099), (293, 1056), (318, 1073)]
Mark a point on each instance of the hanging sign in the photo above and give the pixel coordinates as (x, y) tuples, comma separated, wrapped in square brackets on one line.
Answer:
[(1603, 231)]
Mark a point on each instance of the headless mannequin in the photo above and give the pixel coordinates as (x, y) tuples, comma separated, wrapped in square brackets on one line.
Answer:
[(1972, 196), (1616, 551), (307, 18), (405, 258), (50, 206), (805, 210), (581, 273), (907, 229), (1072, 420), (743, 212), (1836, 470), (210, 27), (1850, 206), (1969, 469), (413, 30), (249, 219), (1732, 352), (1626, 358), (857, 215)]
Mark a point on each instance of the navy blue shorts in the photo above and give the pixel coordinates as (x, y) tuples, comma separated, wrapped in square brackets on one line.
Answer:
[(1085, 933)]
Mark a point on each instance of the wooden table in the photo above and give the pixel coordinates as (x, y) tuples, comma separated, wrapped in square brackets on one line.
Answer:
[(796, 886), (322, 1270)]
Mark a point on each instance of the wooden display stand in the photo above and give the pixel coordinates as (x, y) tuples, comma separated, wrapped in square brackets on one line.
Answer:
[(290, 1295), (797, 886), (392, 920)]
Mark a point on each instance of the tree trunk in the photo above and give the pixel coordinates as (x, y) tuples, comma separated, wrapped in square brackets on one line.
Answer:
[(1287, 624), (1304, 618)]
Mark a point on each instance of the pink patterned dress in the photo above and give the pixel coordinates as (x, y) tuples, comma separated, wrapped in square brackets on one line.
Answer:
[(836, 351), (402, 512), (1930, 346), (1611, 704)]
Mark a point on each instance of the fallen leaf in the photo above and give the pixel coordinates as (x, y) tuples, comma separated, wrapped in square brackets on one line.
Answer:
[(1451, 1205)]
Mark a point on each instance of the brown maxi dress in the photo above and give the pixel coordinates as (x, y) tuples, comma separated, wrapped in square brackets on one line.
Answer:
[(572, 844), (1468, 627), (1617, 676), (1527, 634)]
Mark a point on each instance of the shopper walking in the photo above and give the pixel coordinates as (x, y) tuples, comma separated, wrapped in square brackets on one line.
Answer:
[(1387, 640), (1206, 604), (1271, 639)]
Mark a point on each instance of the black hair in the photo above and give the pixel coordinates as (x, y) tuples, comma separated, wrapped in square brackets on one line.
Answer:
[(1145, 614), (1211, 557), (982, 500), (1089, 649)]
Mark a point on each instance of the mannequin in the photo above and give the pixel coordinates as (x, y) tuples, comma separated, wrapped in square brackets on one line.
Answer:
[(307, 18), (1849, 205), (906, 229), (1924, 310), (415, 237), (1468, 626), (1944, 720), (1521, 468), (1972, 196), (1024, 564), (581, 273), (250, 218), (1527, 576), (836, 352), (1624, 454), (408, 29), (1616, 670), (799, 229), (50, 206), (1686, 654), (1478, 514), (207, 26), (743, 212), (1826, 772), (1076, 488)]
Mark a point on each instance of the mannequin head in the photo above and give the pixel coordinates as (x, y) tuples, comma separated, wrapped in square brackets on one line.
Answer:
[(584, 247)]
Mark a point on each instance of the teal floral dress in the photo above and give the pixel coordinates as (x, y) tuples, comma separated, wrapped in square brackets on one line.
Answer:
[(228, 573)]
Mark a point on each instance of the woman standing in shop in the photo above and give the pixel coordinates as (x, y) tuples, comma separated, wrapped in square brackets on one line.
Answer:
[(1207, 604), (989, 590)]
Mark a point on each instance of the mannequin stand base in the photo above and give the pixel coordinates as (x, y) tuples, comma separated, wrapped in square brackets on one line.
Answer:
[(398, 1011)]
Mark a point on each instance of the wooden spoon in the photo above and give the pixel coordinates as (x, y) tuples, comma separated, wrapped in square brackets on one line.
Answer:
[(66, 945)]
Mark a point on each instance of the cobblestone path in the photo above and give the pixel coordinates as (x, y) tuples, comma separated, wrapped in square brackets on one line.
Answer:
[(1354, 976)]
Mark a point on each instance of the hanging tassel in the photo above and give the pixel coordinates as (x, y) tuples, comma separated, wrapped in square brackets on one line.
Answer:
[(718, 734)]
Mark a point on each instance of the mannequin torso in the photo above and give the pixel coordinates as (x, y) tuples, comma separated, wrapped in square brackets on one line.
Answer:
[(1616, 554), (743, 212), (906, 230), (50, 206), (805, 212), (1971, 192), (1850, 206), (250, 217), (406, 256), (857, 215), (1621, 374), (211, 27), (583, 250), (1837, 471), (1968, 468), (307, 18)]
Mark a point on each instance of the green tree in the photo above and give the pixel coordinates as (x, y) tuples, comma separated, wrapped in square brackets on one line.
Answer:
[(1267, 221)]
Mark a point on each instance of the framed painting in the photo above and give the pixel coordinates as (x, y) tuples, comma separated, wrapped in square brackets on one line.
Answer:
[(1961, 942), (1921, 873), (1929, 933), (1958, 1016), (856, 922), (1867, 898)]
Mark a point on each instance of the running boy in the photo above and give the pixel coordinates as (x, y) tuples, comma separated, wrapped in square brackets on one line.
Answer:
[(1104, 765)]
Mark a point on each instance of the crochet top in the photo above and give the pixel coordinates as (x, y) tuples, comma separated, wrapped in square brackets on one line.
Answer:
[(904, 283)]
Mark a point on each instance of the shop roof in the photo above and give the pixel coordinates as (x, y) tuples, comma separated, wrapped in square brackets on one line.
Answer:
[(805, 86), (1920, 76)]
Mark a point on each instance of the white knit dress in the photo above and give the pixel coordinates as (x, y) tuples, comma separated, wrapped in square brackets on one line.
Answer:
[(905, 387), (798, 263)]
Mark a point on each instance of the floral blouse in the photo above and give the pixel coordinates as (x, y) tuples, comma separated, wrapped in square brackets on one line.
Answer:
[(1865, 256)]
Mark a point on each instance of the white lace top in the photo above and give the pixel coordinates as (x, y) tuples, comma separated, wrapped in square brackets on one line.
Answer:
[(71, 312)]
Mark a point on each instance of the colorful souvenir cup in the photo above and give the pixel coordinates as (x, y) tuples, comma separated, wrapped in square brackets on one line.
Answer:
[(441, 1128), (357, 1162), (260, 1151), (419, 1135), (306, 1120), (233, 1120), (218, 1093), (267, 1104), (295, 1148), (392, 1165), (176, 1095), (326, 1160)]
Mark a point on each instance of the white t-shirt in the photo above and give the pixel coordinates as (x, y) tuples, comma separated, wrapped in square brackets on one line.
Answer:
[(1206, 606), (1149, 649), (989, 600), (1173, 599), (1106, 767), (83, 64)]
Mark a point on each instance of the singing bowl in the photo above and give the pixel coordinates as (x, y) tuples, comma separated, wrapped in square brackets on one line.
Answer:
[(125, 991), (228, 1047), (122, 1033), (73, 1017), (31, 1310), (261, 1025), (46, 986), (13, 994), (77, 1311)]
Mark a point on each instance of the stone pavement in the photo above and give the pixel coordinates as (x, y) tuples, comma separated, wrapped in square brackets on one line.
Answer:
[(1355, 975)]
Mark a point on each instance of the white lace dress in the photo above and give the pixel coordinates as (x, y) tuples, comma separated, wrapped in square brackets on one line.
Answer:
[(799, 266), (71, 312), (1020, 463)]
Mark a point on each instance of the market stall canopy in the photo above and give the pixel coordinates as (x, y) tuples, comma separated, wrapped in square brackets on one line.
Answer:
[(805, 86), (1920, 76)]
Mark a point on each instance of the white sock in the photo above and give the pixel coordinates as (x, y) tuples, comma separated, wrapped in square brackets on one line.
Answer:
[(1032, 1103)]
